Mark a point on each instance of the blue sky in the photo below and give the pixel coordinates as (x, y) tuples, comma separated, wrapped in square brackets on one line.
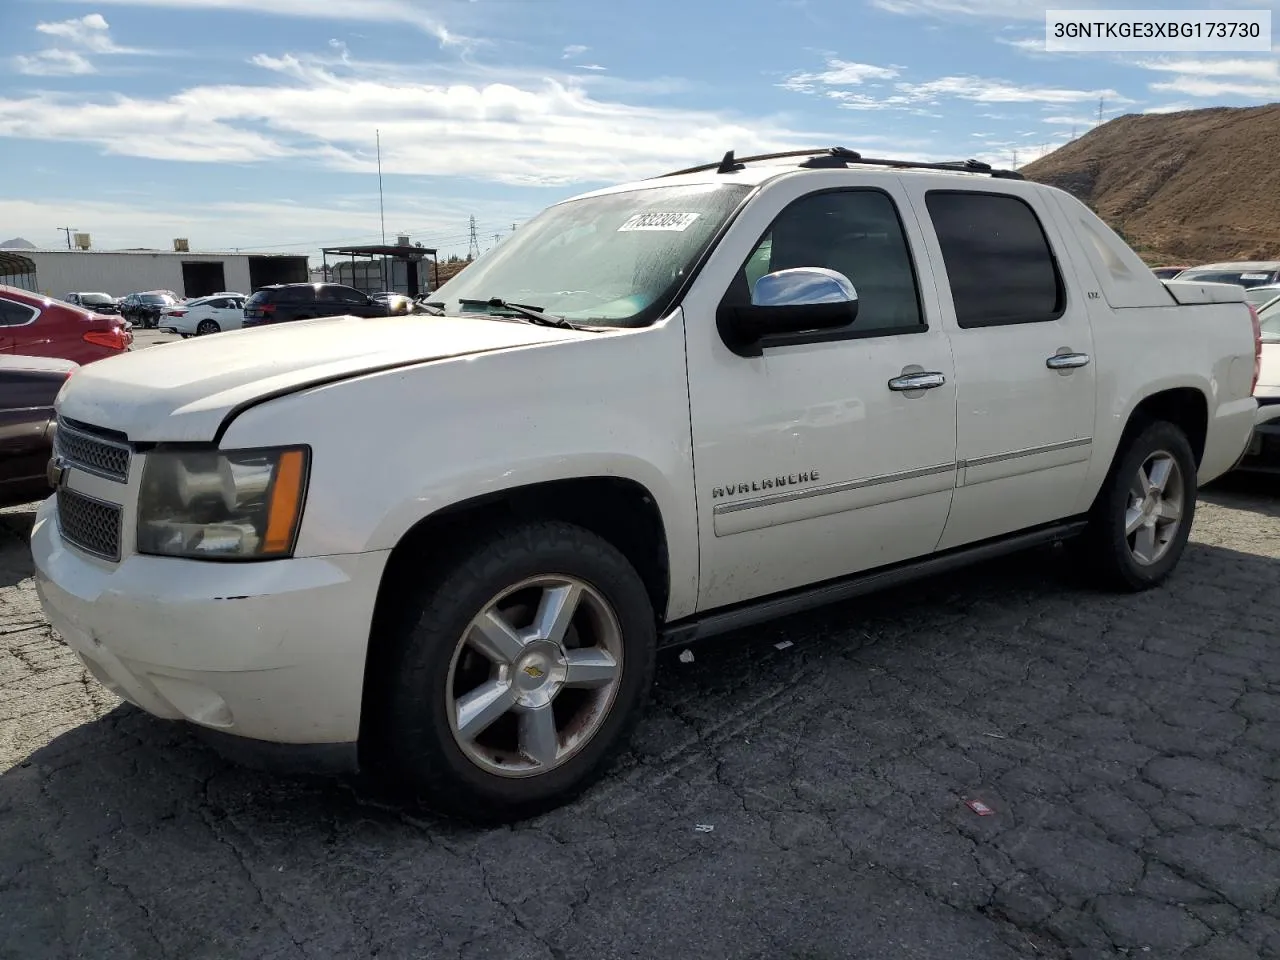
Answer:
[(251, 123)]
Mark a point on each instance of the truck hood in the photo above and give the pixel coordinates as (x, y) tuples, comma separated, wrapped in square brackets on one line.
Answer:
[(183, 391)]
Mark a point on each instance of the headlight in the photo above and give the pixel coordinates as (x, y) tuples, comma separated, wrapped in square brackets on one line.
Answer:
[(222, 505)]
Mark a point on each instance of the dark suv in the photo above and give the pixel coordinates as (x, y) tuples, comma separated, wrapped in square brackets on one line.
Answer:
[(303, 301), (144, 308)]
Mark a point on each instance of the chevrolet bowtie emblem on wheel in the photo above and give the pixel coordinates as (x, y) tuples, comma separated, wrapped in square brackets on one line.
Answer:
[(534, 671), (57, 472)]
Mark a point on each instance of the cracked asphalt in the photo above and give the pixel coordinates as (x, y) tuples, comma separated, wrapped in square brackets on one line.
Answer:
[(808, 802)]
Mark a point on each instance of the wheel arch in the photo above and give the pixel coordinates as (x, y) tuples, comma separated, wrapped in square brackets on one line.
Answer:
[(1186, 407), (620, 510)]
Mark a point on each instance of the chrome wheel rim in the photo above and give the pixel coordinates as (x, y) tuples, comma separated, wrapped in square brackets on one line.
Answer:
[(534, 676), (1157, 495), (206, 327)]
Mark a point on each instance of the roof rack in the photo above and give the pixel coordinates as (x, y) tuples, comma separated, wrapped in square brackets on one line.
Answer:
[(828, 157)]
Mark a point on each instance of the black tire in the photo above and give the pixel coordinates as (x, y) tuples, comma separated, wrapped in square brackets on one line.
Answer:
[(409, 739), (206, 327), (1103, 551)]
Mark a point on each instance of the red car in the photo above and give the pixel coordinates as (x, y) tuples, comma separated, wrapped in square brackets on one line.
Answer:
[(38, 326)]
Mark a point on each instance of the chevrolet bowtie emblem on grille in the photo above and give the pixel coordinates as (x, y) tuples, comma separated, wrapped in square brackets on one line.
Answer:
[(535, 671), (57, 472)]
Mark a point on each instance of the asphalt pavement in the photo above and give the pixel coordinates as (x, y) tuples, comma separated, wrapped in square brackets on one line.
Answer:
[(812, 789)]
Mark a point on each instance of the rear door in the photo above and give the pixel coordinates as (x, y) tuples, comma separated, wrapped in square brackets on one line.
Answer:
[(1022, 343), (17, 324)]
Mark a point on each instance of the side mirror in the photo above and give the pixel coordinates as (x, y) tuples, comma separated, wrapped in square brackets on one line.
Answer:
[(788, 302)]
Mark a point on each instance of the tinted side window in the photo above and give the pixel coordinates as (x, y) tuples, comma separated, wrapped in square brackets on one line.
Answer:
[(343, 295), (855, 232), (998, 260), (295, 295), (14, 314)]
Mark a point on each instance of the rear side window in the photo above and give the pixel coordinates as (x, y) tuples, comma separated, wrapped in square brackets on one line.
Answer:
[(295, 295), (15, 314), (342, 295), (999, 264)]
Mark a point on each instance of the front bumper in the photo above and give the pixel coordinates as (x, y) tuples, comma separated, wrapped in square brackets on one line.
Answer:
[(270, 651)]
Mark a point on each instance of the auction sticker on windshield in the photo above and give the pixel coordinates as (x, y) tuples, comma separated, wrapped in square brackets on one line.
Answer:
[(659, 221)]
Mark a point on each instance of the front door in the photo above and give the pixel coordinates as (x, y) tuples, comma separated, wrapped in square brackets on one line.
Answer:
[(813, 460), (1022, 343)]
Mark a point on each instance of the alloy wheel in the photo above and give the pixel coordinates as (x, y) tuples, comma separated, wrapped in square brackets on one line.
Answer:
[(534, 676), (1154, 513)]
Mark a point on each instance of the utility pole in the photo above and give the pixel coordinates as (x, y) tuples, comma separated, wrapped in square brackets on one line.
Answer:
[(68, 231), (473, 244), (1101, 101), (382, 212), (496, 238)]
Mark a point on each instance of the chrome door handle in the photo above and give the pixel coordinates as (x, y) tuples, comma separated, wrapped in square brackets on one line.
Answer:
[(917, 381), (1067, 361)]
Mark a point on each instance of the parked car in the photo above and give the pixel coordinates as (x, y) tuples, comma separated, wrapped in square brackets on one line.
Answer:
[(1245, 273), (28, 386), (97, 302), (285, 302), (1258, 296), (40, 326), (144, 308), (205, 315), (1167, 273), (1263, 454), (448, 551)]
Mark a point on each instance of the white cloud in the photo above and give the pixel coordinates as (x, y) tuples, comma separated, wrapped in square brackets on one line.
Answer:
[(839, 73), (990, 9), (591, 66), (905, 95), (529, 130), (1205, 87), (573, 50), (91, 33), (1259, 68), (980, 90), (52, 63), (410, 12), (1217, 78)]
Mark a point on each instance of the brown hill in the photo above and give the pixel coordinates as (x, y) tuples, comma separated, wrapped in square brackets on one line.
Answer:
[(1189, 187)]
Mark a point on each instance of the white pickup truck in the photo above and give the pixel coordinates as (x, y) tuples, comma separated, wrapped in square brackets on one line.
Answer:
[(446, 547)]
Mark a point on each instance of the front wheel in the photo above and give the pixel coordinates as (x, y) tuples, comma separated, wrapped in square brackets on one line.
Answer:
[(1140, 523), (516, 675)]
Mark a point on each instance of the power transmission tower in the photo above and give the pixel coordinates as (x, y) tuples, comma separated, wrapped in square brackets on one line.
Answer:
[(496, 238), (1101, 101), (473, 245), (68, 232), (1015, 159)]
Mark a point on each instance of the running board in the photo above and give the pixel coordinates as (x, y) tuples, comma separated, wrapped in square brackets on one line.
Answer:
[(741, 616)]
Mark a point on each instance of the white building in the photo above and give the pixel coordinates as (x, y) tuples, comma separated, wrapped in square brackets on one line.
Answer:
[(56, 272)]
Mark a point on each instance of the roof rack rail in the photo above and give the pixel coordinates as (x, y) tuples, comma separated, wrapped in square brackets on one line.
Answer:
[(828, 157)]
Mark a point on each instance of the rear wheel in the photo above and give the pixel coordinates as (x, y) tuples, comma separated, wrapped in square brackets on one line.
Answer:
[(206, 327), (516, 674), (1140, 523)]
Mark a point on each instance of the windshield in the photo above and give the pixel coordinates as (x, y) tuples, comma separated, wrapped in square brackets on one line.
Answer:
[(155, 298), (611, 260), (1269, 317)]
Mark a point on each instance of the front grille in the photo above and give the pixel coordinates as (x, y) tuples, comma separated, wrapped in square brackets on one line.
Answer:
[(91, 525), (94, 454)]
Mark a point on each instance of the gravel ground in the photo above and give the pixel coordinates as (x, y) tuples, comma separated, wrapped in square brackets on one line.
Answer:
[(808, 802)]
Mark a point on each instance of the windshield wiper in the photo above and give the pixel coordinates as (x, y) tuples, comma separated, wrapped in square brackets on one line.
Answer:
[(434, 308), (532, 314)]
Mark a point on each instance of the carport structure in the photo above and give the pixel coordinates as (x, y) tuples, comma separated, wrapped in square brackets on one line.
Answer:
[(384, 267), (18, 271)]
